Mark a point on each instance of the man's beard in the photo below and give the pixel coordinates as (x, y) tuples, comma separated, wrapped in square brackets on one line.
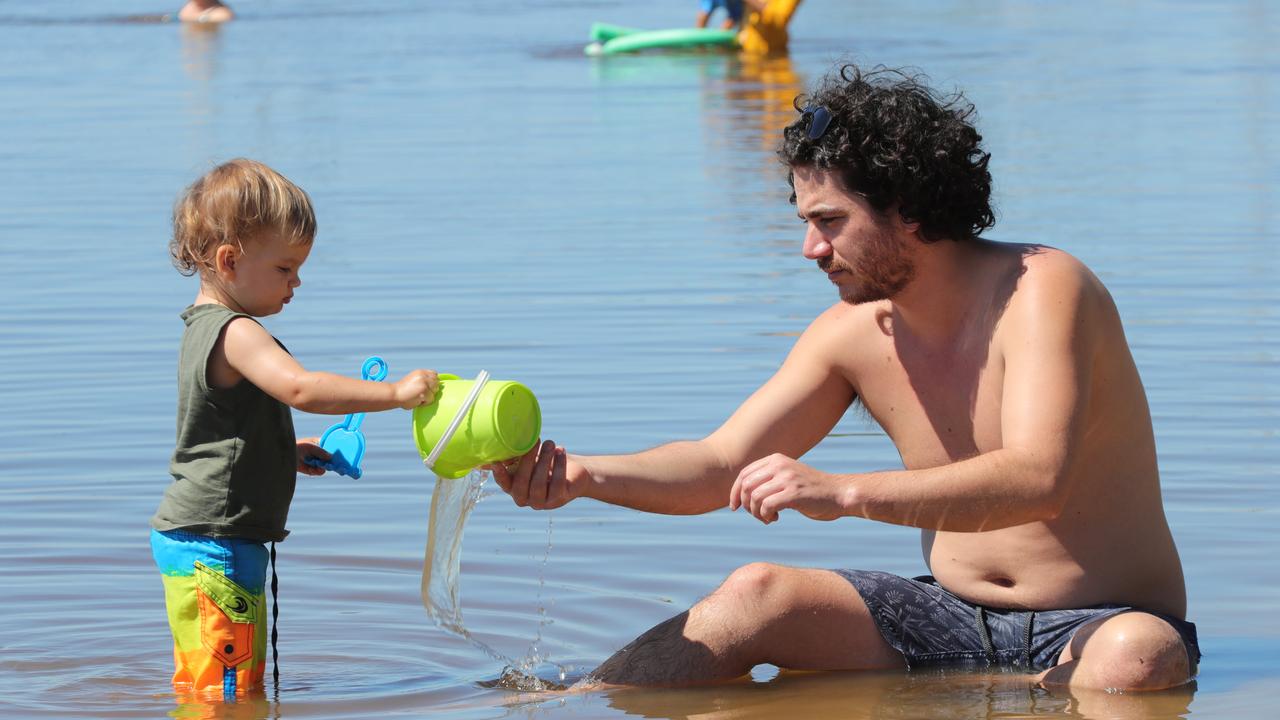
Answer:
[(880, 273)]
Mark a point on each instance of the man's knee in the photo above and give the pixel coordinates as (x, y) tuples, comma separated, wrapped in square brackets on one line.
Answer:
[(756, 583), (753, 598), (1132, 651)]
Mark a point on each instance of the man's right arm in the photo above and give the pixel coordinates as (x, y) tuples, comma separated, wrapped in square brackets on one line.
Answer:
[(789, 414)]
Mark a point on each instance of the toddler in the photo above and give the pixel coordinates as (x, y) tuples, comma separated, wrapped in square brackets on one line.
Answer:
[(246, 231)]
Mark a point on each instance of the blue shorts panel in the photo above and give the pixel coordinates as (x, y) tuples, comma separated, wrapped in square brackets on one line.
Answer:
[(242, 561)]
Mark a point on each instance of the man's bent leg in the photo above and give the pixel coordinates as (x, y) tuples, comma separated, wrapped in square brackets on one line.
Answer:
[(1129, 651), (793, 618)]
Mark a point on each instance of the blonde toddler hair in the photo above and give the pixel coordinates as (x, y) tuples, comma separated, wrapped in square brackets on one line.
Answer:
[(234, 203)]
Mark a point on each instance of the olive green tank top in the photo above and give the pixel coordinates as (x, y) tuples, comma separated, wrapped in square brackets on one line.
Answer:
[(235, 464)]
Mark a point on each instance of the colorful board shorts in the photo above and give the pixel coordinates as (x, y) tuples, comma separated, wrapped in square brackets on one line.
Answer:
[(932, 627), (213, 591)]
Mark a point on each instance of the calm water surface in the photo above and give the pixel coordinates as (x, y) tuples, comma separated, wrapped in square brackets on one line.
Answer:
[(615, 234)]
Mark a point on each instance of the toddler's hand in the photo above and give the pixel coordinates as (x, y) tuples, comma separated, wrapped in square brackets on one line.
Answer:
[(310, 447), (416, 388)]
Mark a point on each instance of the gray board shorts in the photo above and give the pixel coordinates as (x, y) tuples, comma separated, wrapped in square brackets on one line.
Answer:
[(933, 628)]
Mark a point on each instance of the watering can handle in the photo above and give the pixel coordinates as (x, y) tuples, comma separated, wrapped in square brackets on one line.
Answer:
[(481, 379)]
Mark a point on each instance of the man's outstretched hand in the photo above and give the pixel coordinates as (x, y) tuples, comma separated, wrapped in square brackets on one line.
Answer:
[(543, 478)]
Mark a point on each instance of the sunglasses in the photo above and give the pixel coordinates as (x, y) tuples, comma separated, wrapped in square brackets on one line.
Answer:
[(819, 120)]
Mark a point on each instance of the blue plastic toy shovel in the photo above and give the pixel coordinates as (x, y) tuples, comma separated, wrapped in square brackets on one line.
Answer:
[(344, 442)]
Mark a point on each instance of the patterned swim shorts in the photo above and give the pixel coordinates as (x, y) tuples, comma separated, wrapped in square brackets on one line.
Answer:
[(213, 591), (932, 627)]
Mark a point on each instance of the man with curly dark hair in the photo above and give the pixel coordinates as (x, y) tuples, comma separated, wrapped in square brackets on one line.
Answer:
[(1001, 373)]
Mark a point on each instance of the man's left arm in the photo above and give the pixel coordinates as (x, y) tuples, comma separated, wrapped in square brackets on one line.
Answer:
[(1049, 349)]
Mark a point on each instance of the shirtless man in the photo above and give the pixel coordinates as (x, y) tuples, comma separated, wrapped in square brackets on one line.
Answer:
[(1002, 375)]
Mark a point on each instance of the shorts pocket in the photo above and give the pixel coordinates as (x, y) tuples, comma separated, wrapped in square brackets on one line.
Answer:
[(228, 615)]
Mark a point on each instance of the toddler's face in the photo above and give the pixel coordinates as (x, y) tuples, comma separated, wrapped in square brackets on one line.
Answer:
[(266, 274)]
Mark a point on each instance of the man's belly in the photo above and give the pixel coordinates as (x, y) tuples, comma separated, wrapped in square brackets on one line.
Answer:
[(1030, 567)]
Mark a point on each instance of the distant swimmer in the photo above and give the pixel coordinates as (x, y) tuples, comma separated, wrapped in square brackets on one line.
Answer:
[(205, 11)]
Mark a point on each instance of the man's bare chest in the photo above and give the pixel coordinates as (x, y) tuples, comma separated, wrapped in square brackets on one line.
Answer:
[(936, 407)]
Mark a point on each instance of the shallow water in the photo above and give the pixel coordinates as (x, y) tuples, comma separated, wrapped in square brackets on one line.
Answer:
[(615, 234)]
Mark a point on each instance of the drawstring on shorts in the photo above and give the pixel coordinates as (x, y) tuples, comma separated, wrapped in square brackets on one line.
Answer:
[(275, 618), (984, 633), (988, 648), (1026, 638)]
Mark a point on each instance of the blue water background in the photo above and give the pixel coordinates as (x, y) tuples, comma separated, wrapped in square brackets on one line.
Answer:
[(615, 234)]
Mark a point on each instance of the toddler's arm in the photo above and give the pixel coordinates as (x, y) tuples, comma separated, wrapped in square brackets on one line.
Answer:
[(247, 350)]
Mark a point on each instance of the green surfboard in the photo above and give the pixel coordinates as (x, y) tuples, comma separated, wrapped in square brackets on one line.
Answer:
[(613, 39)]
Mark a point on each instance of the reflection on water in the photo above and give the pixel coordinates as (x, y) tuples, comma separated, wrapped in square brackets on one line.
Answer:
[(211, 706), (893, 696), (201, 43), (762, 91), (746, 100)]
